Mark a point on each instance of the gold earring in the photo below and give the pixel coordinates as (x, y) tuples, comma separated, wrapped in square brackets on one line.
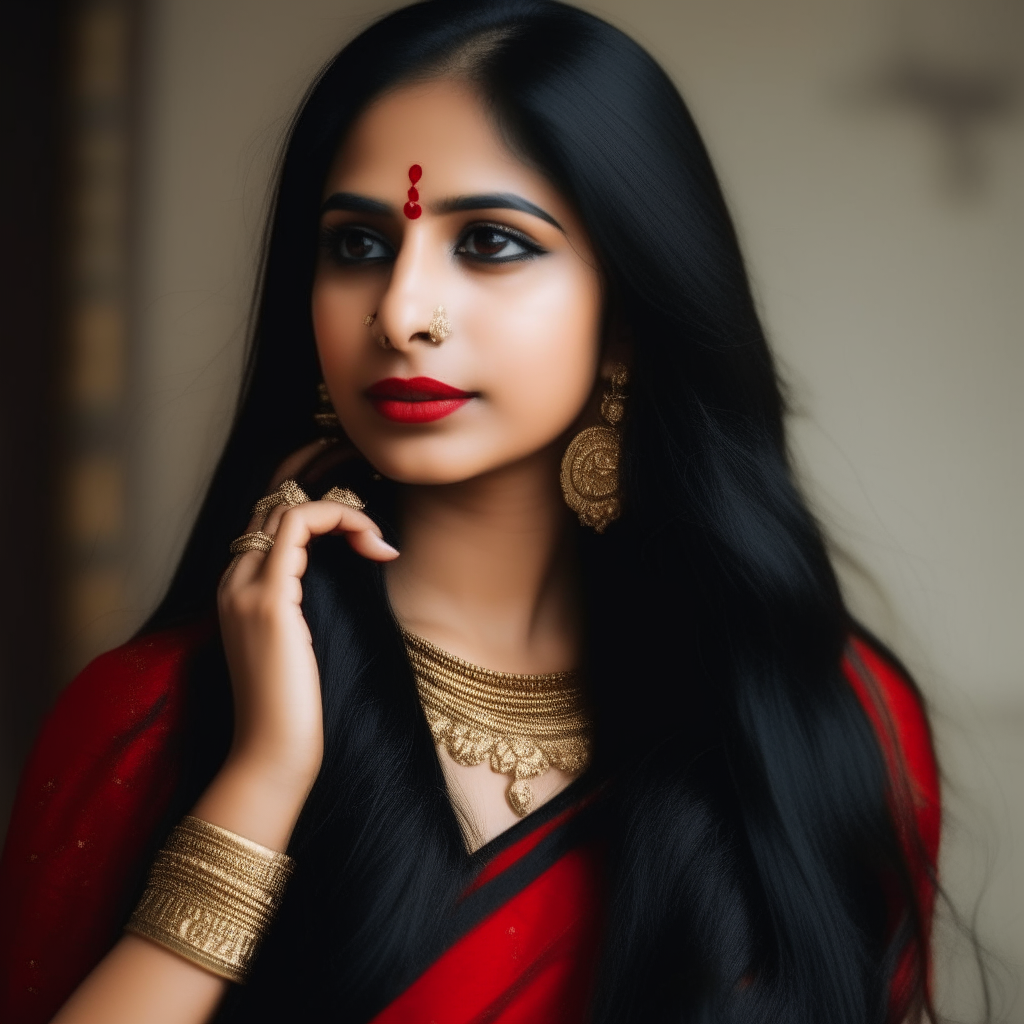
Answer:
[(439, 327), (325, 417), (590, 466)]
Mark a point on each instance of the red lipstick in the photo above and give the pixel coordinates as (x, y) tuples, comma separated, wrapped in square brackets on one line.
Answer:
[(416, 399)]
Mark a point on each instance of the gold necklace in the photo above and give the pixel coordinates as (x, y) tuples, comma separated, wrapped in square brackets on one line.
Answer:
[(525, 724)]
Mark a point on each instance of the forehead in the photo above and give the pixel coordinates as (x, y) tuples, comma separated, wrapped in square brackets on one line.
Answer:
[(443, 126)]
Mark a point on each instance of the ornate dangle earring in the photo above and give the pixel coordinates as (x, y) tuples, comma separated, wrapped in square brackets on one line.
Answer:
[(590, 466), (325, 417)]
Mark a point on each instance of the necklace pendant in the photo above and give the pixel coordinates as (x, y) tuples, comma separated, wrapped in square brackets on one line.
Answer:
[(522, 724), (520, 797)]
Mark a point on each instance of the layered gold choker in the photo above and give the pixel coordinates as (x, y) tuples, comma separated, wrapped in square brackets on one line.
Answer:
[(523, 724)]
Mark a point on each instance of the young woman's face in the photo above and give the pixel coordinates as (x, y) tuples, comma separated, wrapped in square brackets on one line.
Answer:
[(492, 242)]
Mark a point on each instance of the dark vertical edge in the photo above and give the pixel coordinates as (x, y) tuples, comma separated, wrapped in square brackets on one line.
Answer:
[(142, 16), (33, 84)]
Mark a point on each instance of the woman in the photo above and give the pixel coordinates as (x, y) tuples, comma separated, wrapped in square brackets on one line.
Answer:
[(499, 242)]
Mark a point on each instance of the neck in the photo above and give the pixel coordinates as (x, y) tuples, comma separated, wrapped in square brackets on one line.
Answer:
[(487, 570)]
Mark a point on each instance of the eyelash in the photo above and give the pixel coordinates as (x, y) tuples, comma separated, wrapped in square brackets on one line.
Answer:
[(531, 247), (331, 239)]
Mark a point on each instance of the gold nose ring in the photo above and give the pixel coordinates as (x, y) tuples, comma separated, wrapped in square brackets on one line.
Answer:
[(440, 327)]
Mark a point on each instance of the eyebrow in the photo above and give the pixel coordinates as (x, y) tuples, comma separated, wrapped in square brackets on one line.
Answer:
[(355, 204), (495, 201)]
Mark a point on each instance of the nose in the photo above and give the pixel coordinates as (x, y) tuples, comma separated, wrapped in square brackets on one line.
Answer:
[(410, 312)]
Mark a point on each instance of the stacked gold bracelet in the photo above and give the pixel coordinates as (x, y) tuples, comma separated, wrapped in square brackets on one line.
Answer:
[(211, 897)]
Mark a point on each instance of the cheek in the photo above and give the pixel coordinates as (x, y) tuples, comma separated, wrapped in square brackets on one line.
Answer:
[(338, 328), (544, 349)]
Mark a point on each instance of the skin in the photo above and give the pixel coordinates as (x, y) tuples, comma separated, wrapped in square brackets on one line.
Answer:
[(483, 571), (480, 574)]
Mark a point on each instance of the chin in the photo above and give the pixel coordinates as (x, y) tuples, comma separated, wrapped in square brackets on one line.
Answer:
[(425, 465)]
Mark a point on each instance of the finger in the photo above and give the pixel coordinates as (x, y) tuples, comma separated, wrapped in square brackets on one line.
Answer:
[(358, 521), (297, 526), (242, 569), (291, 468), (371, 545), (250, 562), (226, 575), (245, 565)]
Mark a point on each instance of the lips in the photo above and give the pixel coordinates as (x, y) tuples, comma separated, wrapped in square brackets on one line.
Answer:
[(416, 399)]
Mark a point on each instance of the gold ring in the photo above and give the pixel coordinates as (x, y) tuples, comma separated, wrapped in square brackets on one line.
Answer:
[(345, 497), (258, 541), (289, 493)]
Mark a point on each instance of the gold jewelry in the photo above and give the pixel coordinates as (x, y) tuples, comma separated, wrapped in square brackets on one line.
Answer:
[(258, 541), (590, 466), (211, 896), (440, 327), (524, 724), (288, 493), (344, 496), (382, 341), (368, 319), (325, 417)]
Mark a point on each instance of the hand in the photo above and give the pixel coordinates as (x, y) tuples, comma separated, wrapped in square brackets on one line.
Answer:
[(278, 716)]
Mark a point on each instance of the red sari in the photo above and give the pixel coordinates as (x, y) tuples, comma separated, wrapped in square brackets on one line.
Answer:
[(527, 931)]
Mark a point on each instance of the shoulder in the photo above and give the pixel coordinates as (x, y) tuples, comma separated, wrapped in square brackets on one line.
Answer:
[(896, 710), (122, 693), (99, 778)]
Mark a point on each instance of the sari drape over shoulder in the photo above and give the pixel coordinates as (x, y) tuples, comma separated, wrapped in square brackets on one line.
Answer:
[(525, 936)]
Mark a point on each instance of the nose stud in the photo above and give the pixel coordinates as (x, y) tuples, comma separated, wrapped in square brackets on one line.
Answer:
[(368, 321), (440, 326)]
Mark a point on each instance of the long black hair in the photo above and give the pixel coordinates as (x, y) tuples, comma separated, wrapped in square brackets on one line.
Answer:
[(746, 804)]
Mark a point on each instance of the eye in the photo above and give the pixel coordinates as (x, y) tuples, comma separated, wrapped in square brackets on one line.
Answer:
[(348, 244), (488, 243)]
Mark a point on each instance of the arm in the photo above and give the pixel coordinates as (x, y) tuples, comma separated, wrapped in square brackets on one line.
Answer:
[(139, 980), (274, 760)]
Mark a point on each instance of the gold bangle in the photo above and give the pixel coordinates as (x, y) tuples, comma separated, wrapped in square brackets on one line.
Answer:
[(211, 896), (257, 541)]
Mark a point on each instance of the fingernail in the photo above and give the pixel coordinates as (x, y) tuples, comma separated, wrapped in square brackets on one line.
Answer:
[(385, 546)]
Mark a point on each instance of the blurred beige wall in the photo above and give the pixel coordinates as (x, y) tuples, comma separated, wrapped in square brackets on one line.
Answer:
[(890, 279)]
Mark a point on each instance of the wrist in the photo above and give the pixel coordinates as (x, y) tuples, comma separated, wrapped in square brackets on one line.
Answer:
[(256, 799)]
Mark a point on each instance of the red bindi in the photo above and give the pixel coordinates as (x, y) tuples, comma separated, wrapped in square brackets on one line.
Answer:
[(412, 209)]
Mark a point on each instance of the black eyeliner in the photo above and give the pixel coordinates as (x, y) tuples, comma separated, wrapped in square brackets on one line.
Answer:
[(533, 248), (330, 236)]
